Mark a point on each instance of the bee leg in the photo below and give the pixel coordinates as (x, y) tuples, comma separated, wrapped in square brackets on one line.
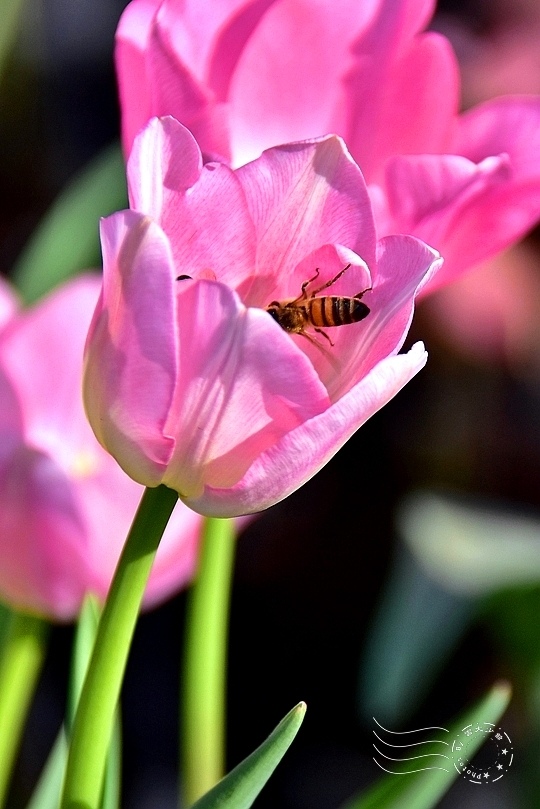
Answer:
[(331, 359), (324, 334), (359, 295), (303, 294), (329, 283)]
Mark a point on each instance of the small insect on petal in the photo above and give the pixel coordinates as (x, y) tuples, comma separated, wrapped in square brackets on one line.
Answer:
[(315, 310)]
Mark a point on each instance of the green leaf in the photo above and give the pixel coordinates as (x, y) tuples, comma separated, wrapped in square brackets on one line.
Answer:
[(241, 786), (12, 11), (47, 792), (67, 240), (471, 548), (5, 623), (423, 789), (82, 649), (23, 653), (417, 625)]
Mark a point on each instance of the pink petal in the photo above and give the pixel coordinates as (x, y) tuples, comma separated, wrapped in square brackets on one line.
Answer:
[(131, 348), (11, 418), (402, 96), (490, 315), (510, 126), (9, 302), (242, 385), (287, 465), (132, 38), (300, 197), (295, 90), (196, 26), (286, 84), (202, 210), (43, 538), (155, 79), (65, 504), (49, 340), (329, 260), (165, 161), (403, 265), (450, 202)]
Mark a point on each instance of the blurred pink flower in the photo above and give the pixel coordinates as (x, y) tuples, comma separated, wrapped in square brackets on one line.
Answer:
[(492, 315), (65, 505), (244, 76), (501, 55), (190, 382)]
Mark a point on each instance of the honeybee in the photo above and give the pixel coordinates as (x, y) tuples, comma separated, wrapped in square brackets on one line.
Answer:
[(294, 316)]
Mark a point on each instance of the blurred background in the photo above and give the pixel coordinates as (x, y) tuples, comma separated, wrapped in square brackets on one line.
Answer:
[(404, 579)]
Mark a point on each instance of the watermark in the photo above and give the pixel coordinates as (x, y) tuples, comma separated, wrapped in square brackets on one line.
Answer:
[(478, 760)]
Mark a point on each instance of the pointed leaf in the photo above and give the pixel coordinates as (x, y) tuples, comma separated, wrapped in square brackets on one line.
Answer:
[(241, 786), (82, 649), (47, 792)]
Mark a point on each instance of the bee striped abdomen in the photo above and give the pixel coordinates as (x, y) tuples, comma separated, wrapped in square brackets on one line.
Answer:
[(333, 310)]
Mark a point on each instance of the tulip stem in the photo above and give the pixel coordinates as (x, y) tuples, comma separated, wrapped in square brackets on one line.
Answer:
[(93, 724), (205, 659), (23, 652)]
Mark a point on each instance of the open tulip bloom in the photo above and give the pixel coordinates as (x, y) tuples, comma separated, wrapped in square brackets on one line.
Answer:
[(245, 76), (189, 381)]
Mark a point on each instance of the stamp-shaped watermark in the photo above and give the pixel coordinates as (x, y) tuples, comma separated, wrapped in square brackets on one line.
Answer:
[(480, 761)]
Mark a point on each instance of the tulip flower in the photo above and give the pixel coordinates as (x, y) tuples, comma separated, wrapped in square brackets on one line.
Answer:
[(65, 505), (492, 316), (189, 381), (245, 76)]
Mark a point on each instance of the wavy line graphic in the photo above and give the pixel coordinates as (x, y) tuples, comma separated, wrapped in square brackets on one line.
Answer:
[(412, 758), (412, 744), (408, 747), (408, 772), (404, 732)]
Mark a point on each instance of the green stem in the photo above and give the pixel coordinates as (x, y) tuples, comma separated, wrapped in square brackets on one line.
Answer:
[(23, 653), (95, 713), (204, 679)]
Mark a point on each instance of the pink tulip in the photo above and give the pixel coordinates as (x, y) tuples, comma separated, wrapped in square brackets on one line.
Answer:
[(65, 505), (244, 76), (192, 383), (492, 315)]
